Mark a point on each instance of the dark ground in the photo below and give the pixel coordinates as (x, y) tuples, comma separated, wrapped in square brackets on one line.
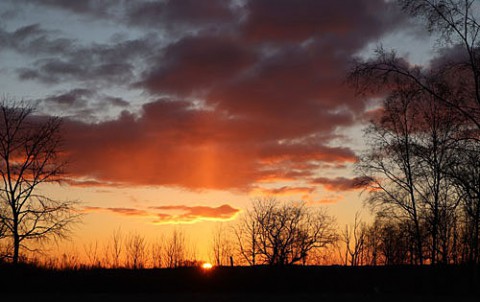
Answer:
[(233, 297), (297, 283)]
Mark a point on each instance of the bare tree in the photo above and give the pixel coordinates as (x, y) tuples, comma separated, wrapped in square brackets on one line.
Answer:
[(412, 146), (246, 231), (372, 244), (157, 252), (354, 238), (439, 127), (221, 246), (91, 251), (287, 232), (396, 242), (116, 249), (389, 163), (136, 251), (29, 156), (466, 176), (175, 249)]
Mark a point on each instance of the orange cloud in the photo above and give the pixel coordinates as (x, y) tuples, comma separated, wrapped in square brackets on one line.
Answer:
[(174, 214), (173, 144), (191, 214)]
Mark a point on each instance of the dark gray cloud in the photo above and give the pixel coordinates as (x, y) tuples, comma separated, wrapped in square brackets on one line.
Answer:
[(348, 20), (107, 64), (76, 98), (94, 8), (56, 59), (166, 15), (195, 63), (56, 71), (183, 13), (81, 104), (34, 40)]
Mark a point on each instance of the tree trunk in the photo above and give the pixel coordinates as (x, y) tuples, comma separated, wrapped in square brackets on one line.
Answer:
[(434, 234), (418, 241), (476, 233), (16, 243)]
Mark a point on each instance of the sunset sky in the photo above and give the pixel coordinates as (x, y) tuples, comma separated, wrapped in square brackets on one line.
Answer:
[(178, 113)]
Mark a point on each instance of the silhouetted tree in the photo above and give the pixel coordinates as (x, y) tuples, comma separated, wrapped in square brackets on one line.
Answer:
[(176, 249), (221, 246), (438, 129), (372, 244), (116, 249), (29, 156), (395, 243), (136, 251), (246, 231), (157, 252), (413, 144), (285, 233), (91, 251), (354, 238), (390, 163), (465, 173)]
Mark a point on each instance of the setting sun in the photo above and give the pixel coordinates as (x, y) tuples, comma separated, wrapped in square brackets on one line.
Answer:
[(207, 266)]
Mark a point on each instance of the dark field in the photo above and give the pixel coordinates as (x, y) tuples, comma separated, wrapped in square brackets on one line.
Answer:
[(297, 283)]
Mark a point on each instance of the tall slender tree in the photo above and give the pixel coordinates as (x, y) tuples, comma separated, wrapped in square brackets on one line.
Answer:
[(390, 162)]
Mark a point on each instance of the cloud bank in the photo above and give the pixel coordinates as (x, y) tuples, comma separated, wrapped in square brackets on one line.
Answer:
[(228, 94)]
